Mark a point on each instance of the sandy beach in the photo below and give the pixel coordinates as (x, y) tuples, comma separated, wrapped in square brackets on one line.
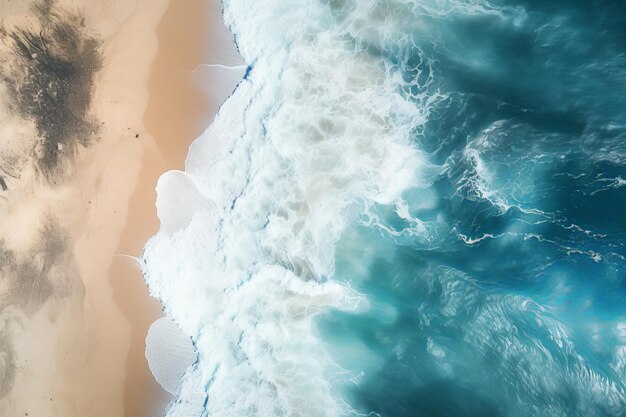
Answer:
[(177, 112), (78, 348)]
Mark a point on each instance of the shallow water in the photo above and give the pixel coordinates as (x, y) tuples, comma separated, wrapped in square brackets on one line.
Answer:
[(408, 208)]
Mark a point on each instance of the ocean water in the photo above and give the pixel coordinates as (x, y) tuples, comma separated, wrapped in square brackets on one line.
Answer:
[(406, 208)]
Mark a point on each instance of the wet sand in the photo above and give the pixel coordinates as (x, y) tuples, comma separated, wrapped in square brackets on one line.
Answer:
[(177, 112)]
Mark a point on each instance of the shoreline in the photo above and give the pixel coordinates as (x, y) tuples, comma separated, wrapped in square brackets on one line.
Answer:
[(77, 347), (177, 111)]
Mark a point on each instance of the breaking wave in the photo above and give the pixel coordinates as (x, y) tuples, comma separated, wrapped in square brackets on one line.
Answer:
[(396, 214)]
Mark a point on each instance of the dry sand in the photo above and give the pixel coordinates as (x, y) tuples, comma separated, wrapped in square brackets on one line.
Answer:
[(120, 102), (81, 351), (65, 348)]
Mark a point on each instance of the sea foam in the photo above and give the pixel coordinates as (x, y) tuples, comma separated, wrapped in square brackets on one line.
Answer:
[(317, 133), (169, 352)]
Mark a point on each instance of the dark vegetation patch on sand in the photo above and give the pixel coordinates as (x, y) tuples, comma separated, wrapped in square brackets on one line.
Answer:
[(29, 280), (7, 366), (47, 69), (49, 79)]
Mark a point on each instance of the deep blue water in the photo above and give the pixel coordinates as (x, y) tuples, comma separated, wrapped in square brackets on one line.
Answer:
[(512, 303)]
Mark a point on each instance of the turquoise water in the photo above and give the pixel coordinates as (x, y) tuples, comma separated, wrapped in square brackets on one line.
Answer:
[(406, 209), (512, 302)]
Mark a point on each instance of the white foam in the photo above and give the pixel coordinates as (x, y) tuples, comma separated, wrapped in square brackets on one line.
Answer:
[(244, 260), (169, 353), (172, 188)]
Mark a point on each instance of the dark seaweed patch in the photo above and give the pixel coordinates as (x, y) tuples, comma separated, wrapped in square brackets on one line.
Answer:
[(28, 282), (7, 366), (48, 270), (50, 81)]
